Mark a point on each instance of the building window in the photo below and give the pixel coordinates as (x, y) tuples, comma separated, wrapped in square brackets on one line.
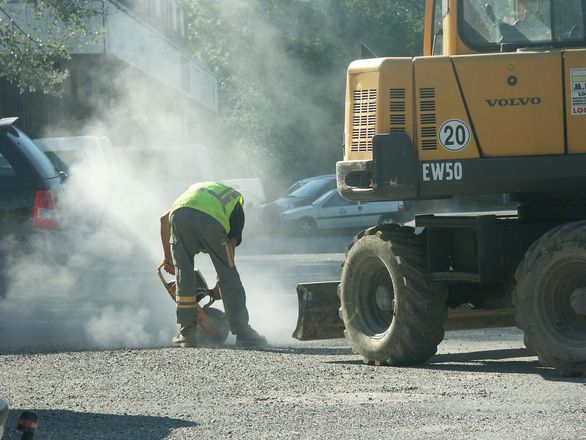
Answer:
[(181, 22), (185, 76), (174, 15)]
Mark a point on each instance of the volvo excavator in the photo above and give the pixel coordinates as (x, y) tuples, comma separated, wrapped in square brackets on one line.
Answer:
[(496, 105)]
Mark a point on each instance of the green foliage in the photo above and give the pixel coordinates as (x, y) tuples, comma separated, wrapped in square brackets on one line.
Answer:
[(37, 37), (281, 68)]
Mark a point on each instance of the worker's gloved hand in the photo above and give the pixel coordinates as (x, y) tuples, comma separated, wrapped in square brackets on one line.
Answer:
[(216, 293), (169, 267)]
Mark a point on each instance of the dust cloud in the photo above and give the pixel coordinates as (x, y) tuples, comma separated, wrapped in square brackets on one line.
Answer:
[(93, 284)]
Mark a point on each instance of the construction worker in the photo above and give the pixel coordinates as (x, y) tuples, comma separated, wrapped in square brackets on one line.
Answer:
[(208, 217)]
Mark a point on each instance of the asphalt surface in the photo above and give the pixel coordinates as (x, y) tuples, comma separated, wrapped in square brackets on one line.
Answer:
[(482, 385), (98, 366)]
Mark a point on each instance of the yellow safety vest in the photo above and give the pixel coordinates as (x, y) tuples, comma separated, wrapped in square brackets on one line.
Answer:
[(215, 199)]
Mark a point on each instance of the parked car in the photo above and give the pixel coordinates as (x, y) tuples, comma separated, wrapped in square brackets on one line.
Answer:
[(266, 217), (298, 184), (29, 184), (332, 211), (303, 192), (65, 152), (30, 187)]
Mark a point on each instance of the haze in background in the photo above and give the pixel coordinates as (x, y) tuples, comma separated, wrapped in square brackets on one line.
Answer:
[(98, 287), (282, 67)]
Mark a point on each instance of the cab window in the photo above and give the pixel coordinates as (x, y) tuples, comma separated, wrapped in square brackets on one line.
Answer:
[(569, 20), (438, 32), (517, 23)]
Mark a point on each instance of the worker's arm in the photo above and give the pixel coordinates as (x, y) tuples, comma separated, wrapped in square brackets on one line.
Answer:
[(236, 225), (165, 239)]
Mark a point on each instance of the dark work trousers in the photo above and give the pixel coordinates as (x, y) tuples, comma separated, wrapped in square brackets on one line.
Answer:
[(191, 232)]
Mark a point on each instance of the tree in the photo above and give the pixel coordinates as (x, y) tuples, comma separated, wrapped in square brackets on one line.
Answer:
[(281, 70), (37, 37)]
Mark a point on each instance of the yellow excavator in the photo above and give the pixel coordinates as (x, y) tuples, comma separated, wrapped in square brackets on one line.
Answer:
[(496, 105)]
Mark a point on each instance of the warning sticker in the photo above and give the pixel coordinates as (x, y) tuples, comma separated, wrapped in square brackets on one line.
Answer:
[(578, 84)]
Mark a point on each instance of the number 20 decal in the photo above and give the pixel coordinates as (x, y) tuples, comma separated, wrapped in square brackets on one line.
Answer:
[(454, 135)]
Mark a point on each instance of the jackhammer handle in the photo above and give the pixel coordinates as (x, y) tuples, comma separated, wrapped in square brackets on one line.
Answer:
[(203, 319), (163, 280), (171, 288), (206, 292), (169, 285)]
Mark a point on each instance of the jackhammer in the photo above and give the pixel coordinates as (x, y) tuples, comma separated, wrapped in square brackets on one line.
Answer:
[(213, 327)]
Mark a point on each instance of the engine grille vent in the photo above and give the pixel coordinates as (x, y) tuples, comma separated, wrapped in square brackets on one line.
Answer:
[(428, 122), (363, 119), (397, 119)]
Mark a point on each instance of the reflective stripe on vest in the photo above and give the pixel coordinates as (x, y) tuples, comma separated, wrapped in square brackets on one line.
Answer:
[(215, 199), (225, 197)]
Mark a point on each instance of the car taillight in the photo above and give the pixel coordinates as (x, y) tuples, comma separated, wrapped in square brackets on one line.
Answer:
[(45, 210)]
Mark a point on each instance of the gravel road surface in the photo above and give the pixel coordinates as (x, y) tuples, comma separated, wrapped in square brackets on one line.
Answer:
[(481, 384)]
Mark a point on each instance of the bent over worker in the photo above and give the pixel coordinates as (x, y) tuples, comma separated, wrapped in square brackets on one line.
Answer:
[(208, 217)]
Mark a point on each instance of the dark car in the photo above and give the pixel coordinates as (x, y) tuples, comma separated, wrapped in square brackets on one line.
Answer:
[(29, 189), (303, 192)]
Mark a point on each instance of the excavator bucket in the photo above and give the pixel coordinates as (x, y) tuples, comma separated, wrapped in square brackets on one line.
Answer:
[(318, 312)]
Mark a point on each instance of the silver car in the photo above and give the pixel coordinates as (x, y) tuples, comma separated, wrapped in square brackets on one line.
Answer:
[(332, 211)]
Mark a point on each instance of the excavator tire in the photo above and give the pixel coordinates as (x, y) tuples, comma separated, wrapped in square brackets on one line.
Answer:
[(553, 267), (392, 315)]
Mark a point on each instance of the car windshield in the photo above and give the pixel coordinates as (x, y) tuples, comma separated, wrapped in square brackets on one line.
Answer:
[(294, 187), (518, 22), (311, 188), (323, 197)]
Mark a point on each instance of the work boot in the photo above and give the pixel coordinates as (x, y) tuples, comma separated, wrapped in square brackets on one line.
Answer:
[(250, 338), (188, 340)]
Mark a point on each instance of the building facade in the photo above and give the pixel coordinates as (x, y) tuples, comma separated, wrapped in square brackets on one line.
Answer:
[(135, 81)]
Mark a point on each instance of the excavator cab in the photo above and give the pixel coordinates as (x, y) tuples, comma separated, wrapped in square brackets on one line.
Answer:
[(489, 26)]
